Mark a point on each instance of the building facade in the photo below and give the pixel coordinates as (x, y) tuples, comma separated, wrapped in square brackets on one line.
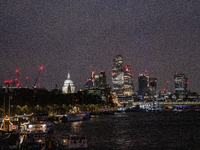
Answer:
[(68, 86), (181, 82), (122, 78), (143, 84)]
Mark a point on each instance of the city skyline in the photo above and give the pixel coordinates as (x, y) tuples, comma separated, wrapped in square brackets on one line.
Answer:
[(161, 37)]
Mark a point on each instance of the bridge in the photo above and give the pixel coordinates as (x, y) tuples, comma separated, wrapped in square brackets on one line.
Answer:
[(168, 103)]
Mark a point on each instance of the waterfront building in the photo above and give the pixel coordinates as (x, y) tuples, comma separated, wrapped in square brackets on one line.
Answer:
[(181, 82), (68, 86)]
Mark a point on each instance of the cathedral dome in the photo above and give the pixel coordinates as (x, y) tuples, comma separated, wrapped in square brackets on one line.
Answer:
[(68, 81), (68, 86)]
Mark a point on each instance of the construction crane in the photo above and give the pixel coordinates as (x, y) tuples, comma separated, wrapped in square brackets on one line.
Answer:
[(41, 68)]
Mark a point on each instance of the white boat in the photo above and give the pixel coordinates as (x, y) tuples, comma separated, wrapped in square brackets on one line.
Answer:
[(77, 116), (39, 127)]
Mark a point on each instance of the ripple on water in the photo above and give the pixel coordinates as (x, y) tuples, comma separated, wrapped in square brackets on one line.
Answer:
[(140, 130)]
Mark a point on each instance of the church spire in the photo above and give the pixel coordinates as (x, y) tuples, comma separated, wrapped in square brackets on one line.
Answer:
[(68, 76)]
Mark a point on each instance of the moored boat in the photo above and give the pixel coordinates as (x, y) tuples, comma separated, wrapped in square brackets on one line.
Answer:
[(77, 116)]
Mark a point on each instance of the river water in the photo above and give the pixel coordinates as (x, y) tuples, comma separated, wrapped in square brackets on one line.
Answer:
[(139, 130)]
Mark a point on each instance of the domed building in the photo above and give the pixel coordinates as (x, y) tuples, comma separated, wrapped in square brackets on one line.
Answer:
[(68, 86)]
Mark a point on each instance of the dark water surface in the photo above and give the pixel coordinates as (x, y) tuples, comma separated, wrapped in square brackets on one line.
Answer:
[(139, 130)]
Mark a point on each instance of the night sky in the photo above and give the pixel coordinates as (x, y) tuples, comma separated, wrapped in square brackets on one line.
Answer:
[(160, 36)]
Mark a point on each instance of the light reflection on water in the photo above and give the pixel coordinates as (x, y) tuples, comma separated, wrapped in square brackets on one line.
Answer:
[(75, 127), (140, 130)]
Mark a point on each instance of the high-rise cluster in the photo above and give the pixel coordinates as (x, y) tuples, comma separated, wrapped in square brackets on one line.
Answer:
[(97, 85), (147, 86), (122, 78), (96, 81)]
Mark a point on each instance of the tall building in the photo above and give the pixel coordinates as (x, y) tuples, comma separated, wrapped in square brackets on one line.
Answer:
[(68, 86), (181, 82), (128, 86), (153, 84), (143, 84), (122, 78), (102, 79)]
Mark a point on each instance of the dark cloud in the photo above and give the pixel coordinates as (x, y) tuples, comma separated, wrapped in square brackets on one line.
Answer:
[(159, 36)]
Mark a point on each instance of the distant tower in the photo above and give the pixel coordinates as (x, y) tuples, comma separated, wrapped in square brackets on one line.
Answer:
[(128, 86), (118, 75), (68, 84), (143, 84), (92, 78), (153, 84), (122, 77), (102, 78), (181, 82)]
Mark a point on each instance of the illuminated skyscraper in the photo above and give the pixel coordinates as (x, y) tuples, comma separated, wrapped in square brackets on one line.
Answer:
[(128, 81), (181, 82), (122, 78)]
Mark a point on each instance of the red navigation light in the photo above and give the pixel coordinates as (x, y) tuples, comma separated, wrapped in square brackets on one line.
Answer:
[(16, 79), (167, 81), (41, 68), (17, 71), (164, 89), (26, 77)]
